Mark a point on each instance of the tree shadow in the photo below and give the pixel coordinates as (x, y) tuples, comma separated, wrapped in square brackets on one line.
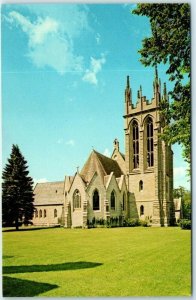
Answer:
[(14, 287), (7, 256), (29, 228), (48, 268)]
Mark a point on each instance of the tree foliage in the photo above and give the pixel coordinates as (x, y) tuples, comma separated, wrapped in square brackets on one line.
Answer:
[(186, 205), (170, 44), (17, 191)]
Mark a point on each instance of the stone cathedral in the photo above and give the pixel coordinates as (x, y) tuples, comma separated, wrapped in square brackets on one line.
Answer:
[(137, 184)]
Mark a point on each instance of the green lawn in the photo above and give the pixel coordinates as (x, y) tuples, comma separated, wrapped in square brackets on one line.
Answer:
[(97, 262)]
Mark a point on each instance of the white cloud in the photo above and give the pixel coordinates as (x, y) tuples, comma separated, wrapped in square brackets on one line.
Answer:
[(51, 41), (107, 152), (60, 141), (37, 32), (70, 142), (98, 38), (41, 180), (95, 67), (180, 178), (179, 171)]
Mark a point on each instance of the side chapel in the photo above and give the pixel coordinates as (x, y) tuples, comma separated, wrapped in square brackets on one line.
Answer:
[(138, 184)]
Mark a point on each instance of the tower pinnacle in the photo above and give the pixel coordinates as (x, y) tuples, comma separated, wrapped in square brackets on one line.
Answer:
[(164, 91), (116, 144), (156, 85), (128, 85), (156, 73), (128, 93)]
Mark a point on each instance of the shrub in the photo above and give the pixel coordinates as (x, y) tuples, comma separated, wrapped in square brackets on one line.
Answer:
[(96, 223), (120, 221), (133, 222), (125, 224), (61, 221), (185, 224), (144, 223), (102, 221), (114, 221)]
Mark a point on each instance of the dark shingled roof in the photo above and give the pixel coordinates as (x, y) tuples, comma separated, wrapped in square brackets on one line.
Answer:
[(101, 164), (49, 193)]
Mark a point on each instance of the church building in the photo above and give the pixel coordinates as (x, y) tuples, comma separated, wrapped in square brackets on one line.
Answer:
[(137, 184)]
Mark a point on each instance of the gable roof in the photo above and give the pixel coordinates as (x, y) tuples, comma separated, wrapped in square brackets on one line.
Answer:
[(101, 164), (68, 182), (121, 154), (49, 193), (74, 178)]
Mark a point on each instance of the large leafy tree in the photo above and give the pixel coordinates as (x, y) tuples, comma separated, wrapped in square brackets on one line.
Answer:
[(17, 191), (185, 196), (170, 43)]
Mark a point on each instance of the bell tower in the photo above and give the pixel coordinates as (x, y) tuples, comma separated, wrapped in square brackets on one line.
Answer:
[(148, 159)]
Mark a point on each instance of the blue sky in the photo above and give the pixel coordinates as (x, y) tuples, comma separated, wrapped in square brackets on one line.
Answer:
[(64, 71)]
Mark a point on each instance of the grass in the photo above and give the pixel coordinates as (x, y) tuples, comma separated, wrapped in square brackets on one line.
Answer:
[(97, 262)]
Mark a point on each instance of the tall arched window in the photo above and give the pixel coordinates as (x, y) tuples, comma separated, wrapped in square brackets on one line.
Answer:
[(40, 213), (96, 200), (141, 210), (55, 213), (124, 202), (135, 129), (44, 213), (112, 200), (141, 185), (76, 199), (36, 213), (149, 140)]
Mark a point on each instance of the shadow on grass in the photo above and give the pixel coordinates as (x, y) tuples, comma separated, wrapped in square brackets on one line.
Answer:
[(14, 287), (48, 268), (7, 256), (28, 228)]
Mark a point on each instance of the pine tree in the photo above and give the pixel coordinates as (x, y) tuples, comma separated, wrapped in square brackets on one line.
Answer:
[(17, 191)]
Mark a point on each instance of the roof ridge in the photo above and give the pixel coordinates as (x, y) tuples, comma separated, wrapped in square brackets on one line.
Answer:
[(50, 182), (103, 155), (100, 163)]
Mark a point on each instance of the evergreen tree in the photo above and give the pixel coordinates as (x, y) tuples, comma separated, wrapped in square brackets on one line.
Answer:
[(17, 191)]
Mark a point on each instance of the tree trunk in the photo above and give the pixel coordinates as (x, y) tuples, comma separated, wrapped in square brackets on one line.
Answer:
[(17, 226)]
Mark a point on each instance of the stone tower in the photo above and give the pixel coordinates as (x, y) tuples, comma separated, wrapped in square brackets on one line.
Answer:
[(148, 159)]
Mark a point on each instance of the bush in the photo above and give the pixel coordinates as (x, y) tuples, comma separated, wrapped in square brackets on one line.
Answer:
[(117, 222), (61, 221), (144, 223), (133, 222), (185, 224)]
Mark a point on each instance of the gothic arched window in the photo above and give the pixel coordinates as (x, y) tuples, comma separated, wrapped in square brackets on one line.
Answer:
[(149, 141), (40, 213), (112, 200), (141, 210), (124, 202), (44, 213), (55, 213), (135, 131), (96, 200), (141, 185), (76, 199), (36, 213)]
